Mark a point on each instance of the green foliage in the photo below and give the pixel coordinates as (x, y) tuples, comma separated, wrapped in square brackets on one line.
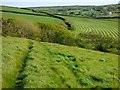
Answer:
[(82, 11), (58, 34), (39, 31), (97, 42), (20, 28), (85, 33)]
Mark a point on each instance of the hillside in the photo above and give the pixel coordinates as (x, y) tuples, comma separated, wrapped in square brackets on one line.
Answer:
[(83, 11), (45, 49), (47, 65)]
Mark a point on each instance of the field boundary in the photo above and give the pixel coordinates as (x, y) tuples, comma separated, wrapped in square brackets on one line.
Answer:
[(22, 13), (69, 26)]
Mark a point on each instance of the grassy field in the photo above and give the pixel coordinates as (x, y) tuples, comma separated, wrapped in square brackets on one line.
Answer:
[(42, 19), (97, 26), (16, 9), (46, 65), (12, 56), (81, 25), (33, 18)]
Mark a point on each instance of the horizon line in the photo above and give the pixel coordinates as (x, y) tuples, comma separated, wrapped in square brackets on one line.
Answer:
[(57, 5)]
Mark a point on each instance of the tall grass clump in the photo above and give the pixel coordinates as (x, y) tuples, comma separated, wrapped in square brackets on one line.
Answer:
[(55, 34), (20, 27)]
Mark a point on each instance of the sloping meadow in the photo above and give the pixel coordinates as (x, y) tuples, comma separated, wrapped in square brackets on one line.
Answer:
[(32, 64)]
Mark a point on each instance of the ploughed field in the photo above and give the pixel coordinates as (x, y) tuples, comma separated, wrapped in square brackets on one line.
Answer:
[(32, 64)]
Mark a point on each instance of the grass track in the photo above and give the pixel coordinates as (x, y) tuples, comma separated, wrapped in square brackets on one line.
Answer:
[(12, 59)]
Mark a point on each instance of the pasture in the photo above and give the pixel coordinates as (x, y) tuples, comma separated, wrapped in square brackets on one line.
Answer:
[(16, 9), (47, 65), (33, 18)]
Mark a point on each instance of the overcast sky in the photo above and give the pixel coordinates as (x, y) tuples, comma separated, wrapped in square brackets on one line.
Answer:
[(32, 3)]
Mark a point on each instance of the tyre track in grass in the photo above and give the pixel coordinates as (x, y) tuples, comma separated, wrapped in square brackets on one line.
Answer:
[(67, 59), (21, 76)]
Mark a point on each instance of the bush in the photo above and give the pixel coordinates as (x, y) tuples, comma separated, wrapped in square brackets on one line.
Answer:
[(20, 28), (58, 34), (97, 42)]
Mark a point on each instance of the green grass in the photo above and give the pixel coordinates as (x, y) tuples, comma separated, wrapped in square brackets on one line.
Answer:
[(33, 18), (51, 65), (42, 19), (101, 26), (12, 59), (18, 10)]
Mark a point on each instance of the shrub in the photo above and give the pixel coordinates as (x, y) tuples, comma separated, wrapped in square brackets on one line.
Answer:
[(27, 28), (98, 42), (58, 34), (20, 28)]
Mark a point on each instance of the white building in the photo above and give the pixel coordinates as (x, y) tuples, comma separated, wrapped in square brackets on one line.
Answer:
[(110, 13)]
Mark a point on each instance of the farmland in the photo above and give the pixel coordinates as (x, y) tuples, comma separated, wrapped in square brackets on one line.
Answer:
[(81, 25), (83, 11), (33, 18), (97, 26), (16, 9), (70, 67), (40, 51)]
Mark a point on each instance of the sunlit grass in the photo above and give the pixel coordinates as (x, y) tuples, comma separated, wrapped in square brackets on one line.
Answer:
[(57, 66)]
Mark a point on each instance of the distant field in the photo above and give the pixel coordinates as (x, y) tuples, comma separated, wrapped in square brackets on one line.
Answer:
[(82, 25), (97, 26), (32, 64), (41, 19), (18, 10)]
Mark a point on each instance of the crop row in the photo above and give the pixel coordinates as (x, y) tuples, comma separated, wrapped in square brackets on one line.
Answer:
[(102, 27)]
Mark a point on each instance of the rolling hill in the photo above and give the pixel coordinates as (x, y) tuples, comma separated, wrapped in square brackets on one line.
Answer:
[(39, 51)]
